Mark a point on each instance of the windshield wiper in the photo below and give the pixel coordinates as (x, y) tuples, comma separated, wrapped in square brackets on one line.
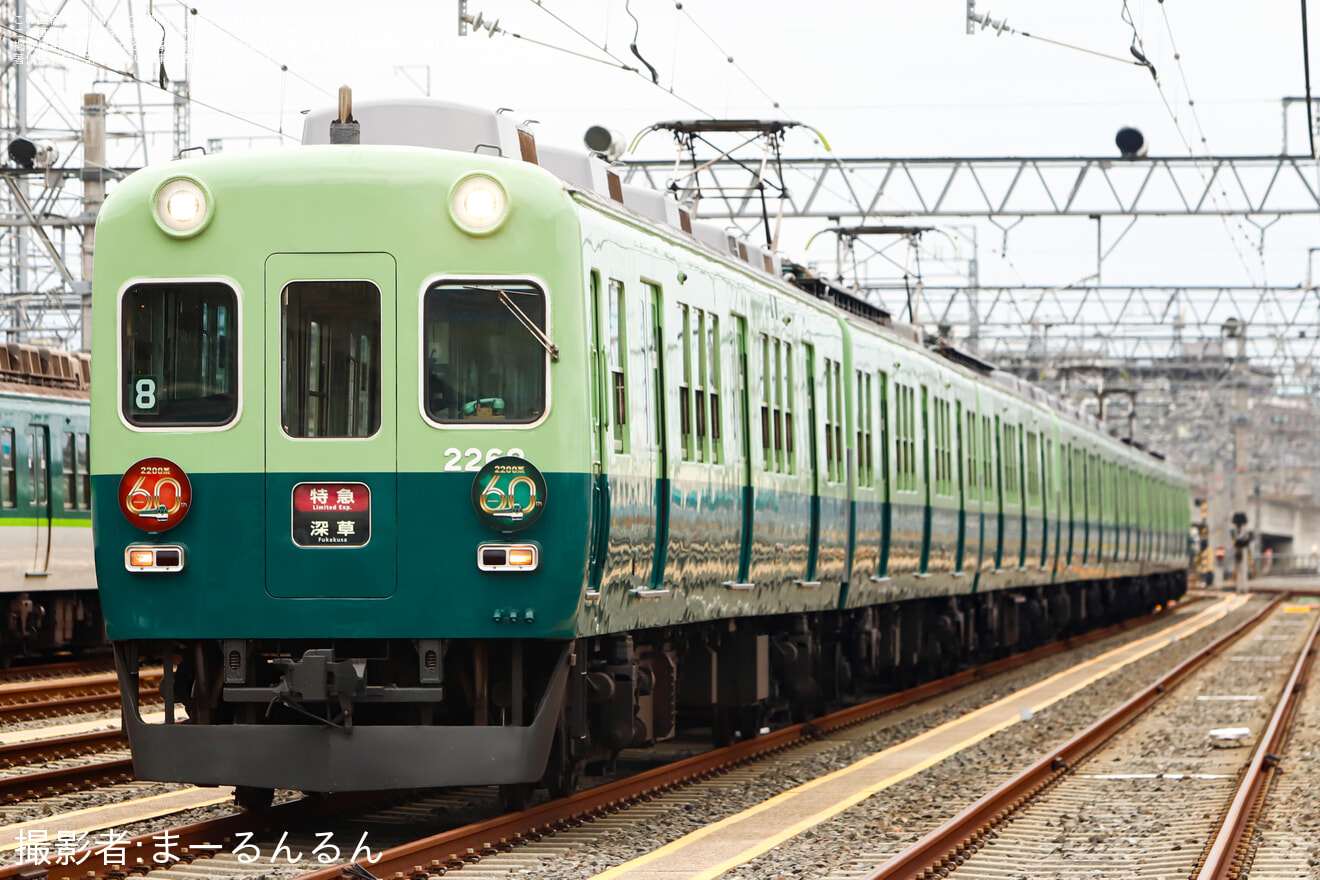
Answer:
[(537, 333)]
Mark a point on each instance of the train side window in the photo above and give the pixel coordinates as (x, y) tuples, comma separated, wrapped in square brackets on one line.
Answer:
[(865, 476), (179, 346), (883, 405), (38, 472), (829, 420), (973, 473), (70, 472), (713, 393), (618, 355), (699, 400), (767, 456), (791, 393), (1033, 469), (905, 399), (778, 403), (1012, 486), (987, 458), (82, 463), (8, 480), (486, 349), (943, 449)]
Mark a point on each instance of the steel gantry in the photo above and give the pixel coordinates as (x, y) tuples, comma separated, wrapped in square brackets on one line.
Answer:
[(1040, 186)]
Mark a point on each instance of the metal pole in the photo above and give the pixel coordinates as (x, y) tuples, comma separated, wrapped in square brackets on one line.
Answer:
[(93, 175)]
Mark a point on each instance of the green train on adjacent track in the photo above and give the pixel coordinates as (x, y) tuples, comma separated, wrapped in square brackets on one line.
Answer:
[(440, 459), (49, 588)]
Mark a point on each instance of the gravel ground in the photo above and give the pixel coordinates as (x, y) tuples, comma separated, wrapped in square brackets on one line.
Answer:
[(110, 716), (904, 812), (1102, 818)]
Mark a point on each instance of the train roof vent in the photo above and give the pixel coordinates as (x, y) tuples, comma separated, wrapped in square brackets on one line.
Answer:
[(423, 122), (716, 237), (578, 167), (966, 359), (655, 205), (804, 279)]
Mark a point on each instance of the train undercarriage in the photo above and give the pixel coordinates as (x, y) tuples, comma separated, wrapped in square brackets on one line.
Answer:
[(364, 713), (41, 624)]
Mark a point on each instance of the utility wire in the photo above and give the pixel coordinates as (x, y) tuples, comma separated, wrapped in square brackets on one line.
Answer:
[(1138, 50), (688, 15), (20, 37), (1306, 64), (284, 68), (655, 82)]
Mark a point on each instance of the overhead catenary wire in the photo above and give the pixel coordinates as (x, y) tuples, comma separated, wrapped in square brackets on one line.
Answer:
[(1306, 66), (129, 76), (678, 6), (284, 68), (618, 61), (1191, 152)]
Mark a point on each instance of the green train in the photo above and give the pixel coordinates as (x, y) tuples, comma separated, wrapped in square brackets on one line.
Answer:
[(49, 585), (437, 457)]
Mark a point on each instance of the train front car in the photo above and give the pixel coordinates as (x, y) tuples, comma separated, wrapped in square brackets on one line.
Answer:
[(340, 475)]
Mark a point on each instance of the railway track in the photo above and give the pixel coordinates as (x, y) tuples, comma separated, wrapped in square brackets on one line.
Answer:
[(1102, 805), (63, 669), (26, 784), (470, 843), (59, 697)]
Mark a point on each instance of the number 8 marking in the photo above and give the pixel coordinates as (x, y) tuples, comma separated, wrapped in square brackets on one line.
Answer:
[(146, 393)]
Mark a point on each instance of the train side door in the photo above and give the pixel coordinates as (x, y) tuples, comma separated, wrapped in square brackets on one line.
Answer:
[(662, 441), (38, 463), (926, 476), (601, 382), (745, 422), (331, 426), (958, 463)]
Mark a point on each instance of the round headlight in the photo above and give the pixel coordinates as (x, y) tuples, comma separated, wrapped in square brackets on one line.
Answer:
[(183, 207), (478, 204)]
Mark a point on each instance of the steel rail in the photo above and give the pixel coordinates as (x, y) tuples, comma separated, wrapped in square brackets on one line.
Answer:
[(469, 843), (69, 705), (1227, 856), (53, 670), (34, 751), (43, 783), (948, 846)]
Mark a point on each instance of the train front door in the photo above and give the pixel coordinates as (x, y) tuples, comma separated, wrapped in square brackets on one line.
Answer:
[(331, 426)]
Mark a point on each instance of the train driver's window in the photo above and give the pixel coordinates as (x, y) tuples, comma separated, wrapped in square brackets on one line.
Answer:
[(486, 348), (179, 344)]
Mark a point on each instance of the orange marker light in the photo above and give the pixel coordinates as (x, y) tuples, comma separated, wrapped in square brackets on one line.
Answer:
[(521, 556), (141, 557)]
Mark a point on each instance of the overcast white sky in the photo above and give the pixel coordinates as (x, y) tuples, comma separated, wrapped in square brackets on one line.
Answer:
[(878, 78)]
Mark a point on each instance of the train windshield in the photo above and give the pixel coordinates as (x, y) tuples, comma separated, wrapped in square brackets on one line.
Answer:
[(485, 353), (179, 345)]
